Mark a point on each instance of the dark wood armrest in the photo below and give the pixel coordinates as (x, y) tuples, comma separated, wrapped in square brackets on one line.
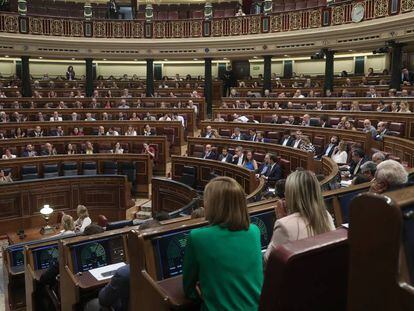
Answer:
[(173, 288)]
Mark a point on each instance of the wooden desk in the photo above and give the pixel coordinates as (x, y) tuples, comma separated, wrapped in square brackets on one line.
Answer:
[(263, 115), (173, 130), (140, 162), (296, 158), (20, 202), (31, 234), (131, 144)]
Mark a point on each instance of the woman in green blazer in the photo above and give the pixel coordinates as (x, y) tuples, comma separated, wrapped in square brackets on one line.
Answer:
[(223, 261)]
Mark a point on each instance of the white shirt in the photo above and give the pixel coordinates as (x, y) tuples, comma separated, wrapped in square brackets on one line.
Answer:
[(330, 146), (181, 119), (297, 143), (114, 133), (81, 225), (12, 156), (240, 160), (133, 133), (57, 119), (340, 157)]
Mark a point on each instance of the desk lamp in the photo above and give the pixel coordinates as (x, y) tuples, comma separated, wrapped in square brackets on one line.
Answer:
[(46, 211)]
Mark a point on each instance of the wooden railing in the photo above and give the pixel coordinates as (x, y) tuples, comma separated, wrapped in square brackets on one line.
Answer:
[(309, 18)]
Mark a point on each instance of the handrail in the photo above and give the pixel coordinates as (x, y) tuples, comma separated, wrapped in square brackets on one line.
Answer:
[(306, 18)]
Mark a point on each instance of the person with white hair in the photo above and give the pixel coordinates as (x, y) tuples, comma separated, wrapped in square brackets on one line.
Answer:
[(390, 175), (378, 157)]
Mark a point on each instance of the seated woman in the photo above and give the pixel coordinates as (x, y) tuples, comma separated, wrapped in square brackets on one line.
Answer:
[(250, 163), (223, 261), (83, 218), (307, 214), (68, 226), (340, 154)]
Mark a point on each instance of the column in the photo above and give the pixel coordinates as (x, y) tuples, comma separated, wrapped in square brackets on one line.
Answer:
[(329, 70), (208, 86), (150, 77), (396, 64), (89, 77), (25, 76), (267, 73)]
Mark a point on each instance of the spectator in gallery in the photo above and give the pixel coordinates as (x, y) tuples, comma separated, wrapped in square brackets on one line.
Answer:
[(83, 218), (8, 155), (307, 214), (5, 178), (70, 73), (222, 286), (117, 149), (88, 148), (370, 72), (29, 151), (240, 12), (404, 107), (150, 151), (407, 77), (130, 131), (70, 149)]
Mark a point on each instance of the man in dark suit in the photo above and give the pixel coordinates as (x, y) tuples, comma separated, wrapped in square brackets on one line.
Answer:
[(270, 170), (115, 295), (225, 156), (209, 153), (288, 140), (260, 138), (113, 10), (252, 134), (237, 135), (209, 132), (275, 119), (330, 147), (239, 158), (407, 78), (325, 122), (358, 158), (29, 152), (381, 131)]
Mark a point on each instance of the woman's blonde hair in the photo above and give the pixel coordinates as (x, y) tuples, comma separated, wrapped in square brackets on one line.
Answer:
[(342, 146), (82, 211), (225, 204), (304, 196), (67, 223)]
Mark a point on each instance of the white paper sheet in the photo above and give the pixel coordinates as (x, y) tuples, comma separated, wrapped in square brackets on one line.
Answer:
[(97, 272)]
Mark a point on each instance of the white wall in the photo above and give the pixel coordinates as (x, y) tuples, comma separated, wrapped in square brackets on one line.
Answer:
[(118, 69), (7, 67)]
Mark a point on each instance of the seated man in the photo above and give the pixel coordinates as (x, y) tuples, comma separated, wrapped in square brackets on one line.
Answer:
[(378, 157), (270, 170), (29, 152), (239, 158), (369, 128), (209, 132), (237, 135), (48, 150), (368, 169), (225, 156), (208, 153), (358, 158), (329, 149), (390, 175), (297, 142), (381, 131)]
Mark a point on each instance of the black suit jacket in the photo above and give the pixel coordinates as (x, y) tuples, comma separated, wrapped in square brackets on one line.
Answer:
[(229, 158), (356, 165), (211, 156), (330, 151), (236, 160), (409, 79), (275, 173), (290, 141), (242, 137)]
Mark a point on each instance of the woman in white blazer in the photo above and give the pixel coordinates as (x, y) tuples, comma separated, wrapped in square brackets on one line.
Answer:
[(307, 214)]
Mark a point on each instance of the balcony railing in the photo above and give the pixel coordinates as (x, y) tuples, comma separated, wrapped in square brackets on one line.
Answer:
[(337, 14)]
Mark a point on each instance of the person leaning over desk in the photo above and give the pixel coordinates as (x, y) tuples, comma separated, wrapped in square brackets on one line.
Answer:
[(223, 261)]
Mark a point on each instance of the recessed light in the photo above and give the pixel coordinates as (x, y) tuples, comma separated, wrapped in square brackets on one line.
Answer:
[(135, 59), (195, 58), (104, 59), (40, 57), (224, 58), (286, 55), (165, 59), (255, 57), (350, 50), (73, 58), (6, 56)]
